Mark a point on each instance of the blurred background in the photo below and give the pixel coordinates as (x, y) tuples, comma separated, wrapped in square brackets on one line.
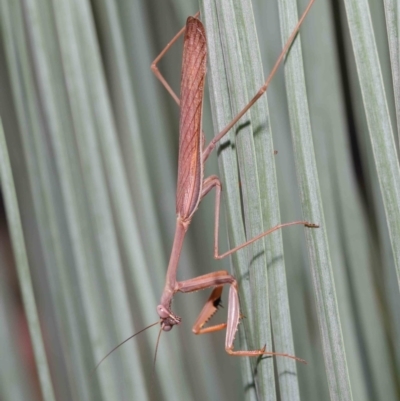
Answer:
[(92, 138)]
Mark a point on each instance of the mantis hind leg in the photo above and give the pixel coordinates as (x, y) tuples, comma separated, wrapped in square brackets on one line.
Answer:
[(155, 69)]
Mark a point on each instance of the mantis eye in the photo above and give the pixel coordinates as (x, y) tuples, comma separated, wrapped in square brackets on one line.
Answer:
[(167, 327), (162, 312)]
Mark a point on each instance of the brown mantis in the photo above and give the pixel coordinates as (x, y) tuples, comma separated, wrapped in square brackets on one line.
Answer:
[(192, 187)]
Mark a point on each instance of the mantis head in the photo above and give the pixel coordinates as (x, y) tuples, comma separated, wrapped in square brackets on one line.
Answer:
[(168, 319)]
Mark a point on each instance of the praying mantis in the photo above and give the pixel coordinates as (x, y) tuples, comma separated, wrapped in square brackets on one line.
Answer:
[(192, 188)]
